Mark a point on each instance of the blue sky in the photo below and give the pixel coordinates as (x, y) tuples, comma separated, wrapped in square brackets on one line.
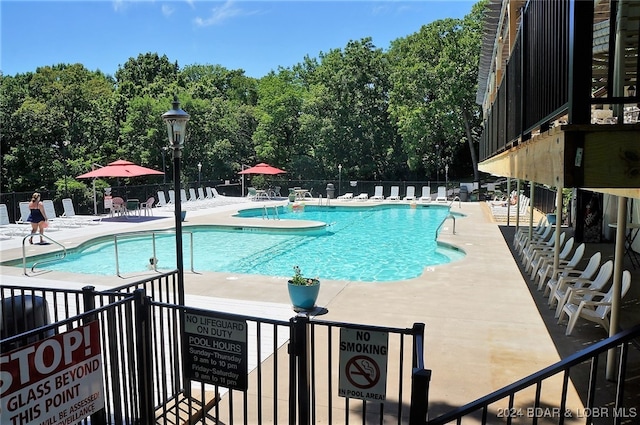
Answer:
[(257, 36)]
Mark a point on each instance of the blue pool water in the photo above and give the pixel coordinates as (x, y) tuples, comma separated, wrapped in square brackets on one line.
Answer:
[(369, 244)]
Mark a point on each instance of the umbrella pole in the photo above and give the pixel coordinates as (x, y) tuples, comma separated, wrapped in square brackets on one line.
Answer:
[(95, 200)]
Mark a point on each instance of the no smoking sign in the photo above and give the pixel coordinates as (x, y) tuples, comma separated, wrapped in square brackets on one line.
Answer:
[(363, 364)]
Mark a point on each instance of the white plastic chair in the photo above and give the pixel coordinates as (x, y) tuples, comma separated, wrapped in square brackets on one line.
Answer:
[(345, 197), (534, 251), (8, 228), (426, 194), (70, 214), (162, 200), (147, 206), (546, 269), (566, 287), (395, 193), (441, 196), (363, 196), (583, 304), (586, 273), (543, 258), (378, 193), (411, 193)]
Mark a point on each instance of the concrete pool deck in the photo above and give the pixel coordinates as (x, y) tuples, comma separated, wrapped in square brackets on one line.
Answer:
[(483, 330)]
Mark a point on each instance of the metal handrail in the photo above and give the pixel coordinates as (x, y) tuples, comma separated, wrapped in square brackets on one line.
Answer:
[(153, 239), (265, 212), (33, 266), (451, 216)]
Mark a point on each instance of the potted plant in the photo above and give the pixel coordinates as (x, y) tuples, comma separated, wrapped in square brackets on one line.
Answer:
[(303, 291)]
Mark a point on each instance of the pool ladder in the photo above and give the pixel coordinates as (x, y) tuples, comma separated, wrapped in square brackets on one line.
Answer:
[(451, 216), (153, 239), (265, 212), (33, 266)]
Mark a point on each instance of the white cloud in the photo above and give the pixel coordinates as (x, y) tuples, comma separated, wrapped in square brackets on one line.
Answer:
[(167, 10), (222, 13)]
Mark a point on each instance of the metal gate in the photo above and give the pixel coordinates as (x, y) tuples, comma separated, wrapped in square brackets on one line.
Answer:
[(161, 365)]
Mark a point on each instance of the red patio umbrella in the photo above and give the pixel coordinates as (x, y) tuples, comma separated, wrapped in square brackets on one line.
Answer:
[(262, 168), (119, 169)]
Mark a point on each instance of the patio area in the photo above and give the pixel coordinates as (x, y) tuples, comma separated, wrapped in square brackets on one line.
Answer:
[(482, 308)]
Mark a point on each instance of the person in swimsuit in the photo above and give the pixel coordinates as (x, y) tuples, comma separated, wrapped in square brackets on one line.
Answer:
[(37, 217)]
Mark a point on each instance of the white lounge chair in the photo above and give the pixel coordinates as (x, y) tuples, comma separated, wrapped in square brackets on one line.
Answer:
[(10, 229), (345, 197), (378, 193), (442, 194), (201, 196), (546, 269), (411, 193), (210, 195), (592, 305), (183, 196), (566, 287), (162, 200), (55, 222), (363, 196), (70, 213), (24, 213), (192, 195), (426, 194), (172, 196), (395, 193)]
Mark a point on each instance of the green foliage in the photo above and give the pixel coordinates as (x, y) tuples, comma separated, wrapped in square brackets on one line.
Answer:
[(378, 114)]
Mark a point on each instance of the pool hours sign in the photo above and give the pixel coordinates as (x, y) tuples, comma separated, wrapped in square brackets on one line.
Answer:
[(215, 350), (363, 364)]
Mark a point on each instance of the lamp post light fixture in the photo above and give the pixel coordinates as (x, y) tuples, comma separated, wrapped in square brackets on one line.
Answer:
[(446, 176), (176, 120), (199, 172), (339, 179), (631, 91)]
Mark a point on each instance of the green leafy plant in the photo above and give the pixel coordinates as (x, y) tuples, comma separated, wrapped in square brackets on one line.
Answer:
[(300, 280)]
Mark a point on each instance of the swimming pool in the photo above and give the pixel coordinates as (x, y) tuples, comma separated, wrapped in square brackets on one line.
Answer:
[(368, 244)]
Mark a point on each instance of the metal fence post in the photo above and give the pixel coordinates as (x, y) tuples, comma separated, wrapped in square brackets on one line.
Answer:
[(420, 379), (89, 303), (144, 357), (300, 370)]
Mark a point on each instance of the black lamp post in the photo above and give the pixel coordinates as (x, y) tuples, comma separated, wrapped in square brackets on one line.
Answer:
[(176, 120), (199, 172), (339, 179)]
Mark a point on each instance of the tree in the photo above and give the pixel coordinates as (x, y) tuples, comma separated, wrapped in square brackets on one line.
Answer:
[(434, 84)]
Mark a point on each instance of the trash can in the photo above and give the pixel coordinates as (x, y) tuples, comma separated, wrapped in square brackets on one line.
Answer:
[(22, 313), (330, 190), (464, 194)]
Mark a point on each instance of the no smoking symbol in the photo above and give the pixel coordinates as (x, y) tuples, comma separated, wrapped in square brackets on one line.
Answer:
[(362, 372)]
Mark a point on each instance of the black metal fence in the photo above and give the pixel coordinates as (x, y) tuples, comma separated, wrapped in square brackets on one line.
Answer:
[(293, 377), (84, 204)]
